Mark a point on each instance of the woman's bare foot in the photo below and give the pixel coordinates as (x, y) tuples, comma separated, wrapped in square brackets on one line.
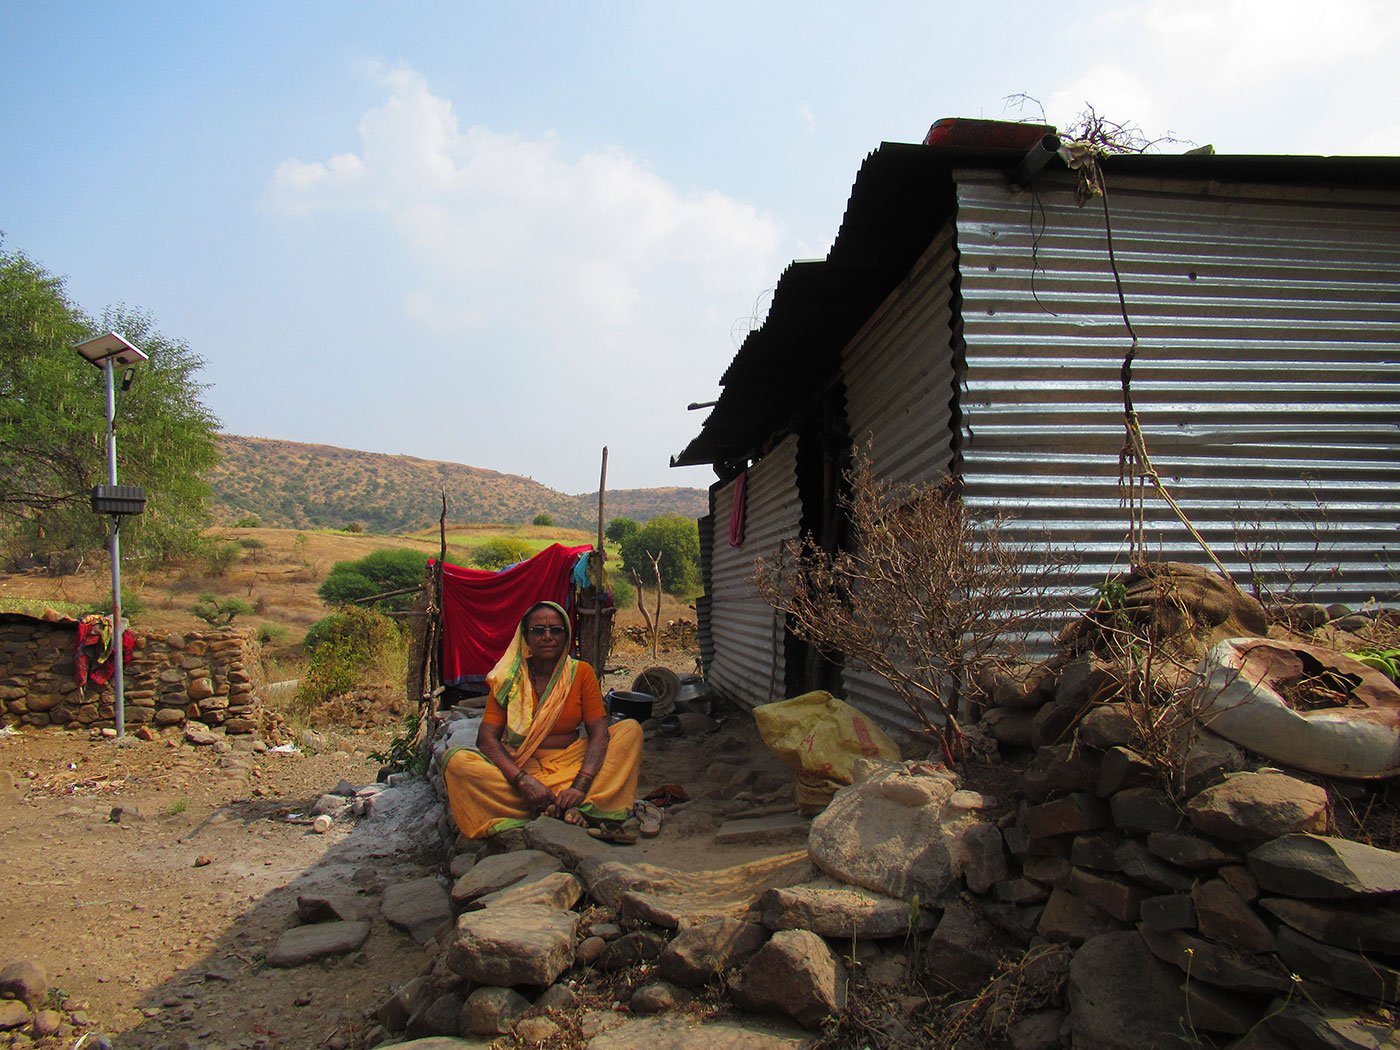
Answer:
[(575, 816)]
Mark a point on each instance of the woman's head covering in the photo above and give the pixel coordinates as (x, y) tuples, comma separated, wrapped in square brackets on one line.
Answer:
[(510, 678)]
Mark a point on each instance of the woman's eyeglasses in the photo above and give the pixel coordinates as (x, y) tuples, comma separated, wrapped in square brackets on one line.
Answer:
[(553, 630)]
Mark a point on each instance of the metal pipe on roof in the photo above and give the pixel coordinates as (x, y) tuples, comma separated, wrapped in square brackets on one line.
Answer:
[(1035, 159)]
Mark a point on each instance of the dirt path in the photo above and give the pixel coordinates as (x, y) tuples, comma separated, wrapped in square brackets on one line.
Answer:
[(157, 923)]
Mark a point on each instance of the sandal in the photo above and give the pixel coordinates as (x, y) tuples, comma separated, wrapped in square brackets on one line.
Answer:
[(618, 832), (648, 819)]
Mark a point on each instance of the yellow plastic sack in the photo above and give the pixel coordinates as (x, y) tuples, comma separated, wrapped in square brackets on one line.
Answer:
[(821, 737)]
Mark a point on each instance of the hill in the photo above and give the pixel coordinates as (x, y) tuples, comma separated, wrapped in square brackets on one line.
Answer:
[(286, 484)]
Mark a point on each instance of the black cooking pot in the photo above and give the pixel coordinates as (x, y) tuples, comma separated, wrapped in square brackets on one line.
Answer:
[(621, 703)]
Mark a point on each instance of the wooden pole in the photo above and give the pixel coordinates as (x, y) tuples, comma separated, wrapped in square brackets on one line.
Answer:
[(602, 578)]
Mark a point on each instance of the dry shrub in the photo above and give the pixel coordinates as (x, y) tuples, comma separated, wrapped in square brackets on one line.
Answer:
[(927, 596)]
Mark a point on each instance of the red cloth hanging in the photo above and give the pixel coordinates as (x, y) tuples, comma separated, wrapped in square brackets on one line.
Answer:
[(481, 609), (736, 512), (93, 661)]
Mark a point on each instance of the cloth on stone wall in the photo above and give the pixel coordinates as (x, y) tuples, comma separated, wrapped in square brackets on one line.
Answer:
[(481, 609), (93, 661)]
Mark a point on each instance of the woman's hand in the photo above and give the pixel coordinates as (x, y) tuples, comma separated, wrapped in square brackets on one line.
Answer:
[(536, 794), (569, 798)]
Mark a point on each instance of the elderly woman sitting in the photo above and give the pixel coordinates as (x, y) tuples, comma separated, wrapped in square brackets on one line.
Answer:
[(529, 759)]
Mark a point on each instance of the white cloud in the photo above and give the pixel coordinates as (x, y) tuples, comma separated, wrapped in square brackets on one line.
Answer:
[(808, 117), (598, 281), (1199, 67)]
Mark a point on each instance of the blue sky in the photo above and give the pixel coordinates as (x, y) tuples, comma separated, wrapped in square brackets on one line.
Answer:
[(509, 234)]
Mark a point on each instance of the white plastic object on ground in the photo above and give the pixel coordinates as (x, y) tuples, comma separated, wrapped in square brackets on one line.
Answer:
[(1239, 701)]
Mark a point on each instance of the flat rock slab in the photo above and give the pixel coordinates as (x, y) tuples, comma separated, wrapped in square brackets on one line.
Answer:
[(1346, 971), (302, 944), (1319, 867), (675, 1033), (421, 907), (571, 844), (559, 890), (444, 1042), (1216, 964), (1365, 928), (778, 827), (328, 907), (495, 873), (838, 911), (1301, 1024), (607, 879), (511, 945)]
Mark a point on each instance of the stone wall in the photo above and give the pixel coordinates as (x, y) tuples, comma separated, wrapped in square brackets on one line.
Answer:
[(1223, 894), (213, 677)]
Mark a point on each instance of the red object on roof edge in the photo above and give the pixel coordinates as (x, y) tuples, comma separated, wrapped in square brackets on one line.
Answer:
[(988, 134)]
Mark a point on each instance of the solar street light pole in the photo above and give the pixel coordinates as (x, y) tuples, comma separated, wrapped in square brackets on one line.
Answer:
[(108, 351), (119, 679)]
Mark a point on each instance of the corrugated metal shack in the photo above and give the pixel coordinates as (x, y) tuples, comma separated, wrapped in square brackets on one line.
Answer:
[(962, 323)]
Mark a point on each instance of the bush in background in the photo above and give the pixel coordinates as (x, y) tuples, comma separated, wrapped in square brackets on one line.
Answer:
[(132, 606), (543, 519), (220, 556), (499, 552), (357, 648), (624, 594)]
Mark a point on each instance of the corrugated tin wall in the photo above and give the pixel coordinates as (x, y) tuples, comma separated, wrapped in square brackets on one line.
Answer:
[(898, 373), (1267, 379), (747, 635)]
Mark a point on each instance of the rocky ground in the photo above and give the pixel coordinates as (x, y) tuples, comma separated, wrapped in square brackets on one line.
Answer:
[(151, 879)]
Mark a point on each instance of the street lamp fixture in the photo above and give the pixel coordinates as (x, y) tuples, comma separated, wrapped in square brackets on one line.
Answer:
[(107, 352)]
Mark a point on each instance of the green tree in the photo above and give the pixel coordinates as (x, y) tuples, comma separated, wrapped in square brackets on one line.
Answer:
[(677, 540), (381, 571), (53, 424), (543, 519), (220, 612), (620, 530)]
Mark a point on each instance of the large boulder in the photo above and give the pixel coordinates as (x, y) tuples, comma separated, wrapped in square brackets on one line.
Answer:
[(1256, 806), (1122, 997), (900, 829), (703, 952), (796, 974), (514, 944)]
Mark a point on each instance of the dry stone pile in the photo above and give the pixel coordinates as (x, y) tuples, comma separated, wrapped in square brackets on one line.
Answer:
[(1204, 891), (32, 1012), (210, 677)]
